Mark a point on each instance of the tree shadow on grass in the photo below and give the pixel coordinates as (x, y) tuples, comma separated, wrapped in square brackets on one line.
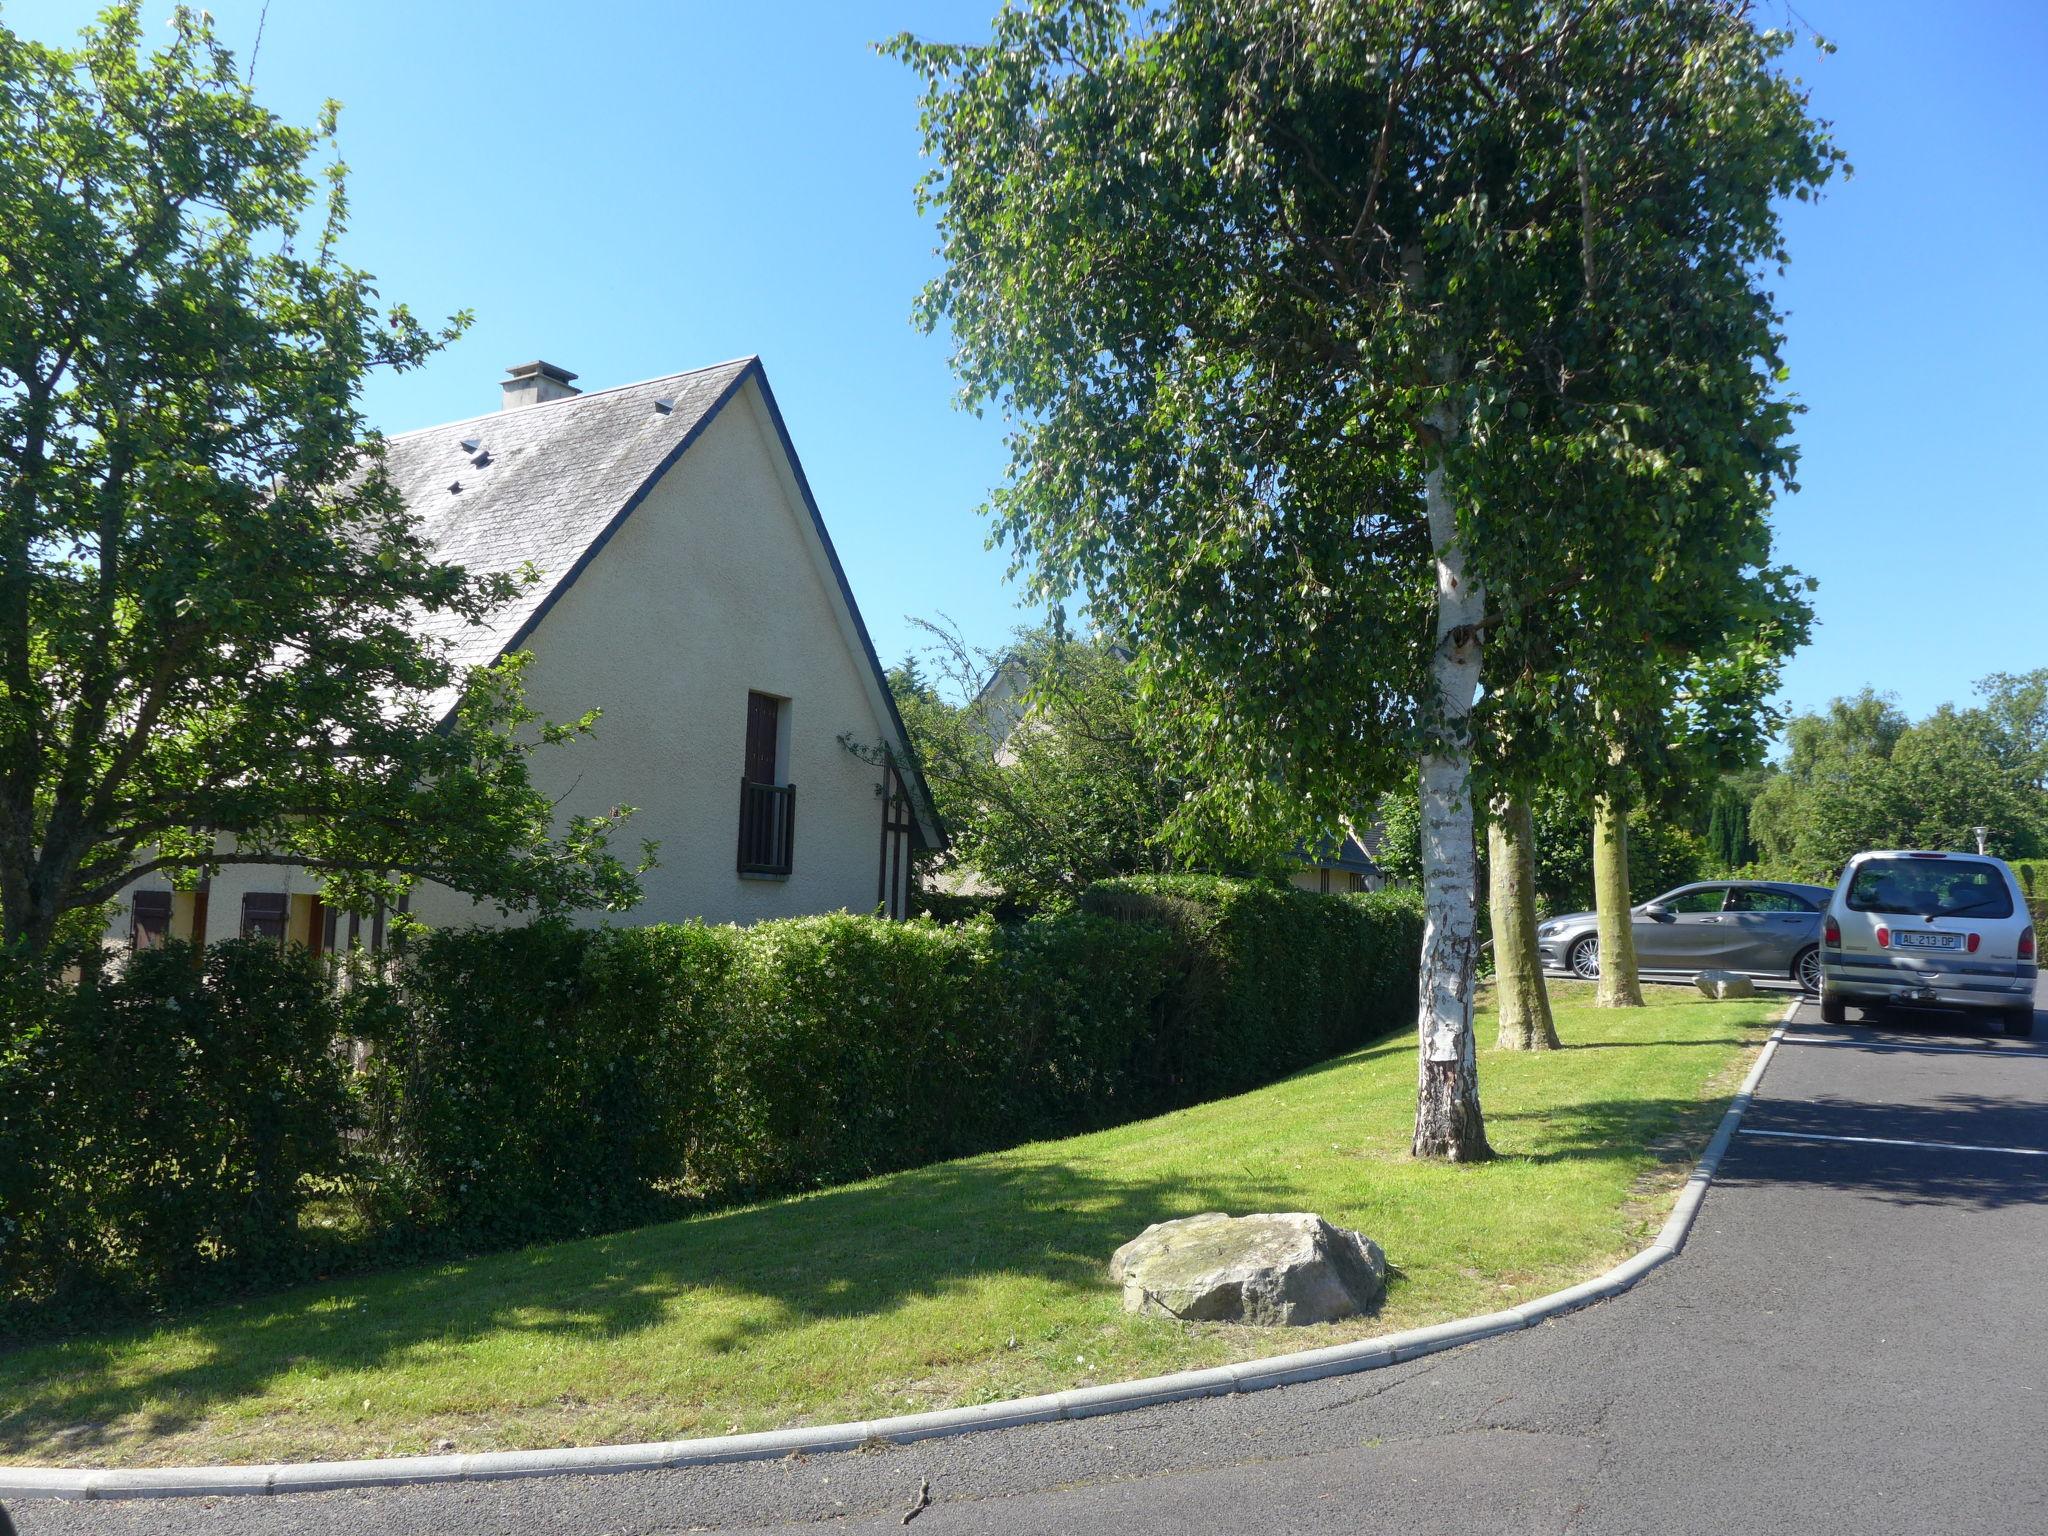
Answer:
[(858, 1251)]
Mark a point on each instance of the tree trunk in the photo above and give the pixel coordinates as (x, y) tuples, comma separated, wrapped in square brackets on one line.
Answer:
[(1619, 987), (1448, 1122), (1525, 1021)]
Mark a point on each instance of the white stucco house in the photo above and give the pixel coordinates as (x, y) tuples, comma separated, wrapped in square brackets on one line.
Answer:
[(688, 590)]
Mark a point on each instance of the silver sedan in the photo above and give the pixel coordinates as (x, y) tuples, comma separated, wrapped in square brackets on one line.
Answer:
[(1768, 929)]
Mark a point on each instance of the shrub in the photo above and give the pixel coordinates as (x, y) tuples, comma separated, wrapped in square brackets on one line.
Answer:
[(161, 1131), (529, 1071), (1271, 978), (544, 1080), (164, 1126), (2033, 875), (565, 1079)]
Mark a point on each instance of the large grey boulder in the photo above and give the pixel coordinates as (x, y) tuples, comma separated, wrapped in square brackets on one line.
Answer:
[(1724, 984), (1286, 1269)]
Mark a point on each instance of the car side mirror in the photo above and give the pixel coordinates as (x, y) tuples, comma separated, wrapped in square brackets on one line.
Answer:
[(1656, 912)]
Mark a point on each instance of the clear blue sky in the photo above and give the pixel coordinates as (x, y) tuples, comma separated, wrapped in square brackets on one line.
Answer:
[(628, 189)]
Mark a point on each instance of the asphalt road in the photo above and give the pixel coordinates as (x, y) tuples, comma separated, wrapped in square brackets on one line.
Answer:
[(1855, 1340)]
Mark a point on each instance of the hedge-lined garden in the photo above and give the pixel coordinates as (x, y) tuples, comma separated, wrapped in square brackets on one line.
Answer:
[(174, 1130), (2033, 875)]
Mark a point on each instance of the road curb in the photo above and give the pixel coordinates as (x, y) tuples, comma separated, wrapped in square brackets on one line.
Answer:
[(1086, 1402)]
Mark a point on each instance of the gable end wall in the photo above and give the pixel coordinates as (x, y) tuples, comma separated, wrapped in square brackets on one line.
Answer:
[(715, 585)]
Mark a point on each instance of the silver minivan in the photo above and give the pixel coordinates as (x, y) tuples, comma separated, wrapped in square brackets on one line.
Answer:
[(1929, 930)]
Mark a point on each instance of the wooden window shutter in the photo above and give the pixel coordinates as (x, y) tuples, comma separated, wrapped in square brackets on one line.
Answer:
[(764, 718)]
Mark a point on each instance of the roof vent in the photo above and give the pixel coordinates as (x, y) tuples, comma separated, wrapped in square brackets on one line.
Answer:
[(455, 489), (471, 444), (664, 405), (537, 383)]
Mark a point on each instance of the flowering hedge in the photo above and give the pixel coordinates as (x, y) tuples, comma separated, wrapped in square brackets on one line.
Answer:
[(534, 1082)]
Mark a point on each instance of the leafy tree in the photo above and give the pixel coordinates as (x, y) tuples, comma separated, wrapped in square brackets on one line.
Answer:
[(1040, 766), (1664, 853), (1345, 342), (209, 594), (2016, 709), (1716, 717), (1726, 827), (1861, 775)]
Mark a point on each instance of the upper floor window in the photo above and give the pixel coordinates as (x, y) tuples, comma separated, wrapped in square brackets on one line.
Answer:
[(767, 803)]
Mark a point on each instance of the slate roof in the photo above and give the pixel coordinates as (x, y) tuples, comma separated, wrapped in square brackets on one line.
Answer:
[(556, 478), (1352, 856)]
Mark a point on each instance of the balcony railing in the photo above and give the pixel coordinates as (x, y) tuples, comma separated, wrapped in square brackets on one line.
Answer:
[(767, 828)]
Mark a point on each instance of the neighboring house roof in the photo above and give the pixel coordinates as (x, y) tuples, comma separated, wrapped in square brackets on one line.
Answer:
[(1351, 857), (548, 485)]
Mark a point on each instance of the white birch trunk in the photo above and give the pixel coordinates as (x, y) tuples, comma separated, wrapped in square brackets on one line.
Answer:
[(1448, 1122)]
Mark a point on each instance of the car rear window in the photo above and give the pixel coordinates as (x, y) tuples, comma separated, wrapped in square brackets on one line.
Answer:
[(1931, 888)]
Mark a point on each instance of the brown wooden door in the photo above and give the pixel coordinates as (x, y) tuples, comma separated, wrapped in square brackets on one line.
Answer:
[(764, 714)]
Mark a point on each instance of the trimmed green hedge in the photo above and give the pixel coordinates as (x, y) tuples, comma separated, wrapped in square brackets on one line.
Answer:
[(1269, 977), (527, 1083), (2033, 875), (165, 1125)]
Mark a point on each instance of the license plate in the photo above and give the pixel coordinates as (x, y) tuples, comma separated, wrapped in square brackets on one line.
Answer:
[(1928, 940)]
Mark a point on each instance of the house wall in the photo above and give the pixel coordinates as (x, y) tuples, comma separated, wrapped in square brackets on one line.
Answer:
[(1310, 878), (714, 586)]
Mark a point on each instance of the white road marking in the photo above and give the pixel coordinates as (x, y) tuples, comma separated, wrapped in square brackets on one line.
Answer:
[(2017, 1050), (1893, 1141)]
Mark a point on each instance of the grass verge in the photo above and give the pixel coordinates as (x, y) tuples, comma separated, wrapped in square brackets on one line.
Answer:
[(964, 1282)]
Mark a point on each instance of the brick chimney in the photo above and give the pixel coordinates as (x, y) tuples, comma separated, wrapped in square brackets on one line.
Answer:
[(537, 383)]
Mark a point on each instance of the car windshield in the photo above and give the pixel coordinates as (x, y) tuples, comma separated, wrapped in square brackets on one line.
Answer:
[(1931, 888)]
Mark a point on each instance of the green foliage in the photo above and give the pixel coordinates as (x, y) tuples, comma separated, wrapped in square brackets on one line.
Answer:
[(524, 1071), (161, 1129), (1727, 835), (2033, 875), (2015, 711), (1661, 854), (1045, 775), (1241, 271), (1863, 776), (1349, 964), (210, 595), (597, 1075)]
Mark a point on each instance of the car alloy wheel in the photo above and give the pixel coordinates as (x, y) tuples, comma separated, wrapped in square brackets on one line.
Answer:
[(1807, 972), (1585, 959)]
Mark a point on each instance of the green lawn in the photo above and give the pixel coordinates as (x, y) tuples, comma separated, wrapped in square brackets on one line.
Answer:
[(960, 1283)]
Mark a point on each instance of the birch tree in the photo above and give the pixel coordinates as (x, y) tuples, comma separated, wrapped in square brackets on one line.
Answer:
[(1305, 316)]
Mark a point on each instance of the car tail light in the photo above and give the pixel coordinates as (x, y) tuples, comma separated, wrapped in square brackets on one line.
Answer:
[(1884, 937), (1975, 940), (2027, 944), (1832, 932)]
